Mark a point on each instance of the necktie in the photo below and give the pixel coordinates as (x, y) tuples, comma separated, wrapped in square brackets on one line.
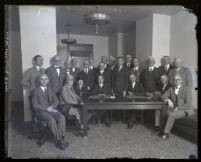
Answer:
[(166, 68), (45, 90)]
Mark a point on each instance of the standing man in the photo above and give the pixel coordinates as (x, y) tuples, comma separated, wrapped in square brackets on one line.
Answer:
[(150, 77), (183, 71), (45, 104), (166, 66), (56, 75), (112, 65), (120, 83), (91, 66), (67, 65), (136, 70), (87, 76), (104, 60), (30, 79), (134, 89), (179, 99), (74, 69), (128, 64)]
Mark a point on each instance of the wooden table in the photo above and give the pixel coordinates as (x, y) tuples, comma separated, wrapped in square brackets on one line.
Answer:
[(124, 104)]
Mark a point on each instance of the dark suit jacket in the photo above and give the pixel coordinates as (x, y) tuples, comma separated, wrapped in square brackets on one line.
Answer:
[(41, 101), (75, 74), (88, 78), (162, 70), (160, 88), (150, 80), (185, 74), (56, 82), (120, 81), (104, 90), (184, 99), (82, 93), (106, 76), (136, 73), (137, 90), (128, 67)]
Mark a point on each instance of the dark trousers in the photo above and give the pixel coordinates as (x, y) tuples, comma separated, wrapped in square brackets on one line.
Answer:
[(104, 115), (56, 122)]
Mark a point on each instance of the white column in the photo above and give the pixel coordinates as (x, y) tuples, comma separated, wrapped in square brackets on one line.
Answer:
[(38, 37), (153, 37)]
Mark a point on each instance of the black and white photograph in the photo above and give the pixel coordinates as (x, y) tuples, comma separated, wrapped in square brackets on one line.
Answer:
[(101, 82)]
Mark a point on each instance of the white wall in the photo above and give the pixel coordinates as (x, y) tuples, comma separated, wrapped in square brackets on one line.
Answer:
[(161, 37), (183, 43), (113, 45), (100, 45), (38, 34), (144, 35), (130, 42)]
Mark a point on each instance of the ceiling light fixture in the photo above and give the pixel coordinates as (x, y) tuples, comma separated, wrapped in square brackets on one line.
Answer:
[(68, 41), (97, 19)]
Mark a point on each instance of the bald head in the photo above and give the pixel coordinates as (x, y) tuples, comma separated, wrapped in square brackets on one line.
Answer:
[(151, 61), (177, 63), (57, 60)]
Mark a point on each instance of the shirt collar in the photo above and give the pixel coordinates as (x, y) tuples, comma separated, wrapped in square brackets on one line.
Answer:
[(91, 67), (137, 67), (152, 67), (37, 67), (43, 88), (178, 87)]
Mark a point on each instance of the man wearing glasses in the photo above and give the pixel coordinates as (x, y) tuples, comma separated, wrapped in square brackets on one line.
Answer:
[(179, 99)]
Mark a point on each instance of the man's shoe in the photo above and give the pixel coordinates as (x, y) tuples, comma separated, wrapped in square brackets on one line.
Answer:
[(163, 137), (130, 125), (42, 141), (62, 145)]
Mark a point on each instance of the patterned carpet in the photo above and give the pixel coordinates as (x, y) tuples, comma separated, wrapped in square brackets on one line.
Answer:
[(103, 142)]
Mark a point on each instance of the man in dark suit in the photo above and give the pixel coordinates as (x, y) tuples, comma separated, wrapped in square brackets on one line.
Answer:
[(128, 64), (67, 65), (112, 65), (56, 75), (120, 84), (165, 67), (150, 77), (45, 103), (183, 71), (136, 69), (81, 90), (179, 99), (134, 89), (87, 76), (102, 89), (91, 66), (74, 69), (104, 60), (105, 73), (163, 87)]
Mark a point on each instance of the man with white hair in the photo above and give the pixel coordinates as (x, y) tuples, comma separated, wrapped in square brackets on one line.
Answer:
[(179, 99), (166, 67), (56, 75), (150, 77), (183, 71)]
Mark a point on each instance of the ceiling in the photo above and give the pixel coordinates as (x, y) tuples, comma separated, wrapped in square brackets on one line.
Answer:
[(123, 17)]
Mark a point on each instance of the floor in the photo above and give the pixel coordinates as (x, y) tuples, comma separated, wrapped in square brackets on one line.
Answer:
[(102, 142)]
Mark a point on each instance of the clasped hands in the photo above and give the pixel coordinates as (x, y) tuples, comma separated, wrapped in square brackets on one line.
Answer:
[(51, 109)]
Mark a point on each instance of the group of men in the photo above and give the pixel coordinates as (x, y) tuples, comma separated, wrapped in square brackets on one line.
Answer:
[(61, 91)]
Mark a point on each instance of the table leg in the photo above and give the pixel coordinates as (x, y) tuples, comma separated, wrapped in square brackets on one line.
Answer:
[(142, 116), (85, 120)]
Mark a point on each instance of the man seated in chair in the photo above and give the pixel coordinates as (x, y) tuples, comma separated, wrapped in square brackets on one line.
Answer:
[(102, 89), (134, 89), (81, 89), (45, 103), (179, 99), (70, 102)]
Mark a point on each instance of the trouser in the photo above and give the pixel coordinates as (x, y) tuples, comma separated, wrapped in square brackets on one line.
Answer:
[(172, 115), (157, 117), (131, 115), (56, 122)]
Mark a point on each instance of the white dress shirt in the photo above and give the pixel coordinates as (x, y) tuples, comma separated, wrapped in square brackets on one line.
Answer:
[(101, 72), (91, 67), (44, 89), (177, 89), (57, 69), (37, 67), (73, 69), (151, 68), (133, 85), (167, 67), (120, 68), (136, 68), (101, 85), (86, 70)]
